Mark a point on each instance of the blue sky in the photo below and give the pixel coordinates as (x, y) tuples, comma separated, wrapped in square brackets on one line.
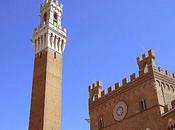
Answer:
[(104, 39)]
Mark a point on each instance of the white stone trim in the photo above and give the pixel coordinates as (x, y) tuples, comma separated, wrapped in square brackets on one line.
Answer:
[(57, 43), (48, 35)]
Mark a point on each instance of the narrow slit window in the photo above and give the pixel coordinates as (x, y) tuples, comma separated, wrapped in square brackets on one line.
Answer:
[(40, 55), (55, 20), (45, 18), (101, 123), (142, 105), (55, 55)]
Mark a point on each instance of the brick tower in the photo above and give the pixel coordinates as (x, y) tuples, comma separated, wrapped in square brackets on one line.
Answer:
[(49, 40)]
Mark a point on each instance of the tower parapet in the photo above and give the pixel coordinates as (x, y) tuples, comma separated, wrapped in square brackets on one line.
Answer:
[(146, 62), (50, 33), (95, 91)]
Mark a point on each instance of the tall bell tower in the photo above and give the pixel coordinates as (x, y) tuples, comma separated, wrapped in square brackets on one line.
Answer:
[(49, 41)]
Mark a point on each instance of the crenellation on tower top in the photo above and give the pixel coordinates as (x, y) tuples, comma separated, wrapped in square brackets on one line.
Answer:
[(146, 63), (95, 90), (148, 55), (52, 1), (50, 33)]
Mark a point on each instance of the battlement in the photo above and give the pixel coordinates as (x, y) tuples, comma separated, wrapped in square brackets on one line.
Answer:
[(164, 72), (55, 2), (148, 55), (96, 92), (146, 64)]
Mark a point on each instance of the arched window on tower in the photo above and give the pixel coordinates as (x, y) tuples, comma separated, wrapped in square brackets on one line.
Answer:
[(55, 38), (55, 19), (45, 18), (51, 39), (45, 39), (39, 44), (58, 44), (42, 41), (35, 45), (101, 123), (62, 45)]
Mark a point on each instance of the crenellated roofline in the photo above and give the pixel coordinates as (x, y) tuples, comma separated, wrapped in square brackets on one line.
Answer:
[(96, 91)]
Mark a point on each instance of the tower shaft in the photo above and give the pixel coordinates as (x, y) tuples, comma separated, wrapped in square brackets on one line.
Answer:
[(46, 92), (49, 41)]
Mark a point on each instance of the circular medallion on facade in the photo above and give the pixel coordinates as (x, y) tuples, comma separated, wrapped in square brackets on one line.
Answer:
[(120, 111)]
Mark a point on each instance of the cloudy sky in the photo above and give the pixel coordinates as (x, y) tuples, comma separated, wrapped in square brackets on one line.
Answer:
[(104, 39)]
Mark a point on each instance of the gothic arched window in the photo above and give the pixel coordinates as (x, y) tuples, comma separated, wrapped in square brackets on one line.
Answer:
[(35, 45), (45, 18), (55, 20), (55, 38), (62, 45), (45, 39), (142, 105), (58, 44), (51, 39), (41, 41)]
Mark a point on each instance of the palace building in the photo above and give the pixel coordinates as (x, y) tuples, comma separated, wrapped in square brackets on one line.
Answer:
[(145, 102), (49, 41)]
